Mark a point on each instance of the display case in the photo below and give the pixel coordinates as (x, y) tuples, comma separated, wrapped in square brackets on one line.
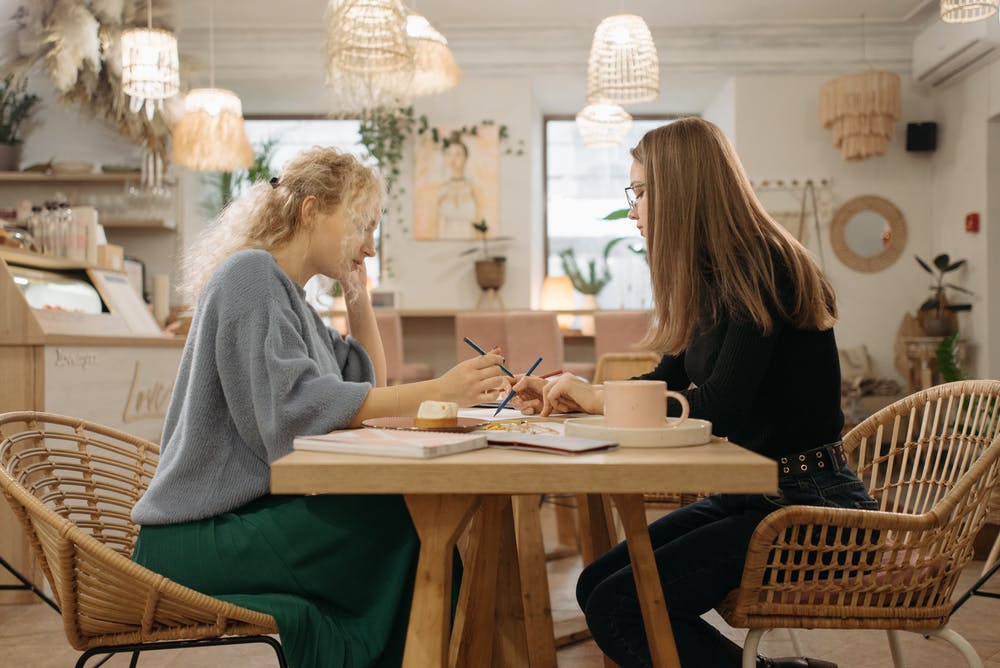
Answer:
[(77, 340)]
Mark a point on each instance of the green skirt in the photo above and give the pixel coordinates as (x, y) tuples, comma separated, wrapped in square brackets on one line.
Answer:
[(336, 572)]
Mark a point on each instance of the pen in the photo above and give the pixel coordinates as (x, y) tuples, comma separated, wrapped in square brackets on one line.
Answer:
[(510, 395), (483, 352), (551, 373)]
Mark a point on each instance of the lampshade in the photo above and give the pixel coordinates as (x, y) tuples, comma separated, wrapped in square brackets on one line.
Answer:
[(967, 11), (210, 136), (862, 109), (435, 69), (369, 59), (149, 68), (603, 125), (558, 295), (623, 66)]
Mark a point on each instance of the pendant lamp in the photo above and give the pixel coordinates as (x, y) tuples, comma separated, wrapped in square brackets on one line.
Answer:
[(862, 109), (210, 136), (369, 58), (435, 69), (603, 125), (149, 66), (967, 11), (623, 67)]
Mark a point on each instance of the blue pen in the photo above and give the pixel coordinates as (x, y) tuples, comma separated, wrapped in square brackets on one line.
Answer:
[(483, 352), (510, 395)]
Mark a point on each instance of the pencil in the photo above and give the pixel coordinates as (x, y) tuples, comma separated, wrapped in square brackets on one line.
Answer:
[(510, 395), (551, 373), (483, 352)]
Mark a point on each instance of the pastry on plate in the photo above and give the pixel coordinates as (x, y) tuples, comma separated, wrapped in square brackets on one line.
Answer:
[(436, 415)]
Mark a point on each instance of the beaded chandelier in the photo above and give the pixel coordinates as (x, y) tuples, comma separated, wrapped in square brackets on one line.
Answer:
[(603, 125), (150, 71), (967, 11), (623, 67), (862, 109), (435, 69)]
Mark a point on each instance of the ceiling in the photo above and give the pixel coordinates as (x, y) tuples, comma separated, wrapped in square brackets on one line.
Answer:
[(446, 14)]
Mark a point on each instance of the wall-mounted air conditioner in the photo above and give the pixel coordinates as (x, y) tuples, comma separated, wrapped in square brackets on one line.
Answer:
[(945, 52)]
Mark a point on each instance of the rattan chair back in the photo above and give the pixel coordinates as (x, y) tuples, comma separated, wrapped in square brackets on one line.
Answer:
[(72, 484), (622, 366), (931, 461)]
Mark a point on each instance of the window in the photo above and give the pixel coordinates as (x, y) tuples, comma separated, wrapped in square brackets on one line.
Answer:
[(294, 135), (582, 186)]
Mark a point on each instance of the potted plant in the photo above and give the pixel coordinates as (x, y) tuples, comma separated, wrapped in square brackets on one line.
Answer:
[(16, 106), (937, 315), (491, 270)]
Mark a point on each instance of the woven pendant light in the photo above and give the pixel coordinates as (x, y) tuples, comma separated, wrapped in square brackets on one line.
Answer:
[(369, 59), (150, 71), (435, 69), (603, 125), (862, 109), (967, 11), (211, 136), (623, 67)]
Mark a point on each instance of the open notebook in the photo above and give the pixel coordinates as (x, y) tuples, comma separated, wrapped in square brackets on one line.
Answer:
[(392, 442), (551, 443)]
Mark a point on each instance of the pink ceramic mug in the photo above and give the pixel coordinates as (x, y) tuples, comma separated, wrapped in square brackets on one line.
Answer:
[(640, 404)]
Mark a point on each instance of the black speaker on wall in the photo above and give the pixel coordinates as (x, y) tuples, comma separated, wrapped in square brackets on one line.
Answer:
[(921, 136)]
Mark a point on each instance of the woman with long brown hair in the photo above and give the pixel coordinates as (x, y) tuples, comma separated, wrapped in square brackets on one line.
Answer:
[(744, 321)]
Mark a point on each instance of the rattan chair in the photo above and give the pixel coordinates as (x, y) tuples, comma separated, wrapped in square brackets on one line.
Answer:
[(931, 461), (73, 484), (622, 366)]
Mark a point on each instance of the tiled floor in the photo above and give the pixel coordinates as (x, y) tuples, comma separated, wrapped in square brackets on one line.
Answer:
[(31, 636)]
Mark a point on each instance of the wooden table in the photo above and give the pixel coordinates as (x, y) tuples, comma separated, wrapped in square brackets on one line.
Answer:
[(500, 620)]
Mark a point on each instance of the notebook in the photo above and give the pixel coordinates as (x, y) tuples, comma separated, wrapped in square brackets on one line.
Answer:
[(392, 442), (551, 443)]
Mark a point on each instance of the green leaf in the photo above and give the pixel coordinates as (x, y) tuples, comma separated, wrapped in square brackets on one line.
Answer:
[(959, 288), (617, 214), (923, 264), (942, 261), (959, 307)]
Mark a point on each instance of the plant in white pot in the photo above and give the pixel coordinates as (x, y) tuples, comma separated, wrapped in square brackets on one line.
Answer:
[(937, 314), (16, 107)]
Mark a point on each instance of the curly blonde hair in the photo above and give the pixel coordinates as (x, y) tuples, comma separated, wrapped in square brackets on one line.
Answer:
[(268, 216)]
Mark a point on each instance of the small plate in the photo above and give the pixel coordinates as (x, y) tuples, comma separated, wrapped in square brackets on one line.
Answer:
[(406, 423), (690, 432)]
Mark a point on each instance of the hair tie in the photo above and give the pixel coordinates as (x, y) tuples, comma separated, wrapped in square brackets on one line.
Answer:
[(274, 182)]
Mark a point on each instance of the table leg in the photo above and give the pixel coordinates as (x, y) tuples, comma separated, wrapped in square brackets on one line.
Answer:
[(438, 520), (472, 635), (647, 581), (510, 642), (534, 582), (597, 532)]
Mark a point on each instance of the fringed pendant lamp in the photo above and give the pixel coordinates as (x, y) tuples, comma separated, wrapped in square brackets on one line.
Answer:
[(623, 67), (435, 69), (150, 71), (862, 109), (369, 59), (967, 11), (603, 125), (210, 136)]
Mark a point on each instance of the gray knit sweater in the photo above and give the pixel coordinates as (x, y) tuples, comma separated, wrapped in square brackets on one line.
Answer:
[(258, 369)]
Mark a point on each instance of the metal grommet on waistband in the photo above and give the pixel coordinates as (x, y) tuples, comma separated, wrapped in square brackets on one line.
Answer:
[(784, 460), (802, 458), (818, 454), (805, 468), (814, 460), (821, 464), (784, 470)]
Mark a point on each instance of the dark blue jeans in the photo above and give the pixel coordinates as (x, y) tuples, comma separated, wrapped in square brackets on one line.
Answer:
[(699, 551)]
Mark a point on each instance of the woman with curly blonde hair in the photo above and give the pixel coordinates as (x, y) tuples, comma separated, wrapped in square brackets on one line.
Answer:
[(259, 368), (744, 321)]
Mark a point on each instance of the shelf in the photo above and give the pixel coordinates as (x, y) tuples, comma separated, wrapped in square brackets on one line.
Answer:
[(38, 177), (137, 224)]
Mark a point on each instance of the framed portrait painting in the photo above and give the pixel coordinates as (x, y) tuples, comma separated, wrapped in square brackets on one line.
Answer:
[(456, 183)]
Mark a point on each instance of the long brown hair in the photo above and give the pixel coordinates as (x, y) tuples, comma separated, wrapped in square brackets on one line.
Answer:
[(707, 231)]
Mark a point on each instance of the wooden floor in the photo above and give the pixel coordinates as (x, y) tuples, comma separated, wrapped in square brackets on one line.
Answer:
[(31, 635)]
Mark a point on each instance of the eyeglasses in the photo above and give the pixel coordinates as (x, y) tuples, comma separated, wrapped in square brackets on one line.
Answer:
[(631, 196)]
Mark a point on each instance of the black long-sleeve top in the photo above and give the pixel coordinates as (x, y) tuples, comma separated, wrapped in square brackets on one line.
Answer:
[(774, 394)]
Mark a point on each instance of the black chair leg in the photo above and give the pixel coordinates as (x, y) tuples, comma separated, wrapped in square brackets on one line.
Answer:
[(974, 589), (180, 644), (26, 585)]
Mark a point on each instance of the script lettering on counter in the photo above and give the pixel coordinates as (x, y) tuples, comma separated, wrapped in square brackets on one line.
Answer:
[(75, 359), (149, 401)]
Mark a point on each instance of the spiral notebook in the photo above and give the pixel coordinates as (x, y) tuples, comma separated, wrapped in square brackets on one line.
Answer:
[(392, 442)]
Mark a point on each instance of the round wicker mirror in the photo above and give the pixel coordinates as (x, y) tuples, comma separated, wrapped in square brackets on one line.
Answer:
[(868, 233)]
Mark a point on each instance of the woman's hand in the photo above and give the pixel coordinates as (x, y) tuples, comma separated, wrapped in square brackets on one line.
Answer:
[(473, 381), (566, 394)]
